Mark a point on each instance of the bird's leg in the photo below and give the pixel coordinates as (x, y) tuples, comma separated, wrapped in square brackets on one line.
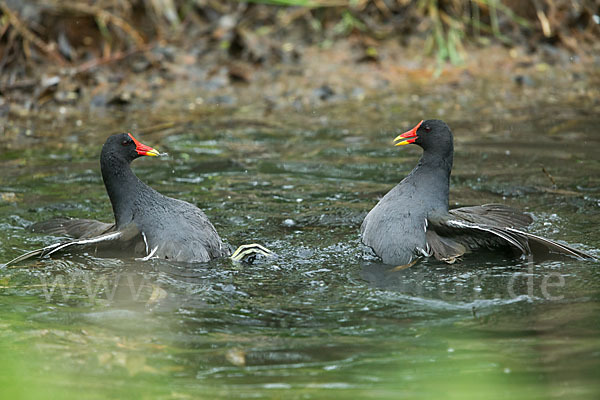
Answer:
[(450, 260), (410, 264)]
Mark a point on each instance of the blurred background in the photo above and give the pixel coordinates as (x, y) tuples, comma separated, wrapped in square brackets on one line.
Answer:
[(273, 54)]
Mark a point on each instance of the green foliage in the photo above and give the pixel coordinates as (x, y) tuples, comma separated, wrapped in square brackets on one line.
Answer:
[(449, 20), (288, 3), (446, 24), (348, 23), (449, 27)]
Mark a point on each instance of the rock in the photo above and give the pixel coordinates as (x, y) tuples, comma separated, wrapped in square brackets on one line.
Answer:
[(323, 93)]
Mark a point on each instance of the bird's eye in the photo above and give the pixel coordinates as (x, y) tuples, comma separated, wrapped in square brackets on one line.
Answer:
[(125, 142), (427, 128)]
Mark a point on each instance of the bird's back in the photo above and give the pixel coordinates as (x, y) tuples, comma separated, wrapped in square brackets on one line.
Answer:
[(179, 231)]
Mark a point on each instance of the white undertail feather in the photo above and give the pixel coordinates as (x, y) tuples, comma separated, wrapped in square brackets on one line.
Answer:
[(149, 256), (145, 241)]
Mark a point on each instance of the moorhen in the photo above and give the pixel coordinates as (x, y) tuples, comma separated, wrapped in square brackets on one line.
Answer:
[(413, 219), (147, 223)]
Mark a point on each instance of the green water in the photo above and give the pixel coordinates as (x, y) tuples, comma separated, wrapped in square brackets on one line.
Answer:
[(322, 320)]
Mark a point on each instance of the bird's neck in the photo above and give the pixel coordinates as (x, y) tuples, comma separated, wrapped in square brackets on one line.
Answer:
[(432, 175), (442, 162), (122, 186)]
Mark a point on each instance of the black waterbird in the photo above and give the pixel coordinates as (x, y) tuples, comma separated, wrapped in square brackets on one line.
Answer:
[(147, 223), (413, 219)]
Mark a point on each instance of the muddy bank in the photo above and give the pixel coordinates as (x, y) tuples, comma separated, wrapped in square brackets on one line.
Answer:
[(66, 64), (189, 88)]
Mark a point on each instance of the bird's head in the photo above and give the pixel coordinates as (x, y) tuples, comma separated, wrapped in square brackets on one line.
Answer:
[(432, 135), (128, 148)]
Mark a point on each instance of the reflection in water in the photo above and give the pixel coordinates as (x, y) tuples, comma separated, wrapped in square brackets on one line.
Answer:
[(472, 284)]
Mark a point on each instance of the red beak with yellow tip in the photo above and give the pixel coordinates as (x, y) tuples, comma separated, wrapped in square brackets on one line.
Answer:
[(142, 149), (408, 137)]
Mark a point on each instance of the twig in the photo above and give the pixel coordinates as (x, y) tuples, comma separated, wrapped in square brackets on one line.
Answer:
[(24, 84), (48, 48), (291, 15), (3, 30), (544, 21), (118, 56), (382, 7), (105, 16), (549, 176)]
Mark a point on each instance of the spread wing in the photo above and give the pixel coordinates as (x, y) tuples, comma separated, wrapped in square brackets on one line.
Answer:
[(76, 228), (493, 214), (125, 238), (452, 234)]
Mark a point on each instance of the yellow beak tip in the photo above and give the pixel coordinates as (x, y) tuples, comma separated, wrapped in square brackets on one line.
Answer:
[(153, 153)]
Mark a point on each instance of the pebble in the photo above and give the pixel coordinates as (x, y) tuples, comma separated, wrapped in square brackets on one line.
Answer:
[(289, 223)]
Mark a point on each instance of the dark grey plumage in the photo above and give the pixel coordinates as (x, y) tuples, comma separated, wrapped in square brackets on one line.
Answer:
[(413, 219), (173, 229)]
